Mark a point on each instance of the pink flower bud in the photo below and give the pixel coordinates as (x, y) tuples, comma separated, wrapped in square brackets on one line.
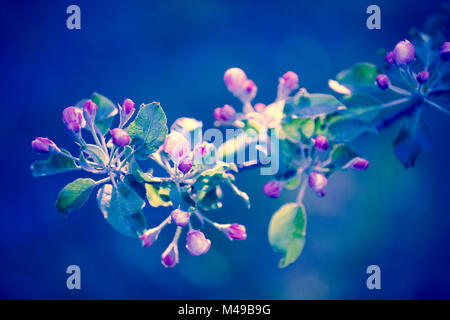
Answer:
[(290, 80), (72, 115), (128, 106), (357, 163), (317, 181), (217, 114), (169, 258), (90, 108), (43, 145), (227, 113), (196, 243), (382, 81), (120, 137), (176, 146), (150, 236), (423, 77), (234, 79), (321, 143), (234, 231), (260, 107), (444, 51), (390, 58), (273, 188), (199, 153), (180, 217), (185, 165), (404, 53)]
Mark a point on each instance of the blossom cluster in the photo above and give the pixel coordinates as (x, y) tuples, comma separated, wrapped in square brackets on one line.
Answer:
[(191, 185), (313, 134)]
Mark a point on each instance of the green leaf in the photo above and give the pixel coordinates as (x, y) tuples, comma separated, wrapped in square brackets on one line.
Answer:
[(122, 207), (426, 45), (210, 179), (139, 175), (287, 230), (441, 97), (316, 104), (155, 198), (96, 154), (148, 130), (294, 129), (293, 183), (361, 106), (56, 163), (74, 195), (211, 200), (340, 156), (360, 76), (106, 111), (238, 192), (411, 141), (346, 130)]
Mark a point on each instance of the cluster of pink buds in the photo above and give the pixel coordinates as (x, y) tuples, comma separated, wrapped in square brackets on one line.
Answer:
[(196, 242), (239, 85), (185, 161), (313, 172), (77, 118), (401, 57)]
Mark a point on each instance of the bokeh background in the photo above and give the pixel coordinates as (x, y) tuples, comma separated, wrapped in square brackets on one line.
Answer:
[(176, 52)]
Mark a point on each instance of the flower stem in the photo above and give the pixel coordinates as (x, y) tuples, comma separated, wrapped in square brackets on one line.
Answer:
[(177, 235), (99, 182), (301, 191)]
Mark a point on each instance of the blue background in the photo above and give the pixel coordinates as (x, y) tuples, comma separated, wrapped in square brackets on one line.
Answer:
[(176, 52)]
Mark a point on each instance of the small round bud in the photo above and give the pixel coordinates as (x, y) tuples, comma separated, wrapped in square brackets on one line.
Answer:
[(180, 217), (227, 113), (260, 107), (234, 231), (234, 79), (444, 51), (169, 258), (382, 81), (185, 165), (404, 53), (128, 106), (321, 143), (217, 114), (357, 163), (42, 145), (176, 146), (290, 80), (150, 236), (90, 108), (120, 137), (423, 76), (317, 181), (196, 243), (390, 58), (72, 115), (273, 188)]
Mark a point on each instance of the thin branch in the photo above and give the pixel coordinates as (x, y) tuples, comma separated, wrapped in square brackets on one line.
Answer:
[(433, 104)]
